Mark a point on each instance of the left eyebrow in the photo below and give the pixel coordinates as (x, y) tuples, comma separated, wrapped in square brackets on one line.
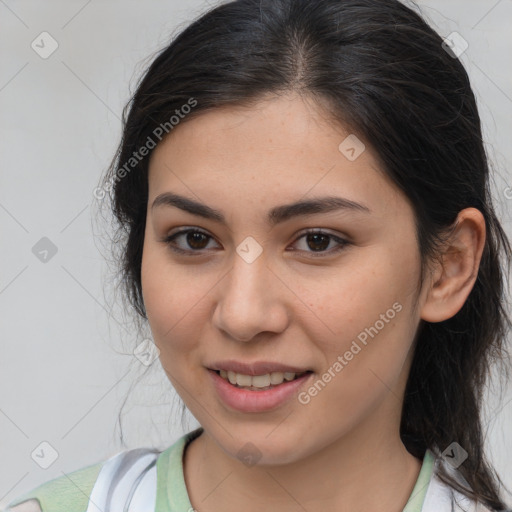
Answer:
[(276, 215)]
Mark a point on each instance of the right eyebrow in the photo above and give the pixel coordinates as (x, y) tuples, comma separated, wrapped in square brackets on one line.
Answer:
[(275, 216)]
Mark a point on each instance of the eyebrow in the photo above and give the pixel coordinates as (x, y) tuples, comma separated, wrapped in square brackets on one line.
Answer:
[(275, 216)]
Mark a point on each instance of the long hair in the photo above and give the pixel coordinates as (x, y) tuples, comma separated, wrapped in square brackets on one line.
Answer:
[(378, 68)]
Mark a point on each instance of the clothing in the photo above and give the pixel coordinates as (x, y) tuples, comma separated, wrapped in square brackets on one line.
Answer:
[(148, 481)]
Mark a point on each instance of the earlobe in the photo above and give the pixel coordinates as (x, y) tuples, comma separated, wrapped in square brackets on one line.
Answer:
[(456, 273)]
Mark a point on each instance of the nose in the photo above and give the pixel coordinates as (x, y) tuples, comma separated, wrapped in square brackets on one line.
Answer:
[(251, 300)]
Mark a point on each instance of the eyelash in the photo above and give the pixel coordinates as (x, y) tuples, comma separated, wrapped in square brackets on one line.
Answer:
[(169, 241)]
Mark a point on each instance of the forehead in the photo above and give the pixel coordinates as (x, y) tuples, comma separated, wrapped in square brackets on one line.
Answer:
[(277, 150)]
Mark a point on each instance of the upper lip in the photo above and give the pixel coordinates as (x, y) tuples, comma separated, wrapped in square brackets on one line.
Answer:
[(256, 367)]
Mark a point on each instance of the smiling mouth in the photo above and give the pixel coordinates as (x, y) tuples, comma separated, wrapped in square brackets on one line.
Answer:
[(258, 382)]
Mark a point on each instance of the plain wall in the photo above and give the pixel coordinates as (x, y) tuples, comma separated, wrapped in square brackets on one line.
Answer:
[(63, 374)]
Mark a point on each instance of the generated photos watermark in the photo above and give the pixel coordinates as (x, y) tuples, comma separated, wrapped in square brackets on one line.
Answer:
[(152, 140), (305, 397)]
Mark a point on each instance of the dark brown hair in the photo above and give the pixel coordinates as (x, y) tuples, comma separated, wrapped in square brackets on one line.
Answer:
[(380, 69)]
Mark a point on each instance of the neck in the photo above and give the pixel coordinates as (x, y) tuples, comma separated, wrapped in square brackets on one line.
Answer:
[(335, 478)]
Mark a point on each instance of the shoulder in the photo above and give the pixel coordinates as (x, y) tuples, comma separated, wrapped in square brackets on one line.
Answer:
[(68, 493), (137, 474)]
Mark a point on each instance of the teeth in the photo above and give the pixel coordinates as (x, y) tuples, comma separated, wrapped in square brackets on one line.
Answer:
[(242, 380), (257, 381), (276, 378), (260, 381)]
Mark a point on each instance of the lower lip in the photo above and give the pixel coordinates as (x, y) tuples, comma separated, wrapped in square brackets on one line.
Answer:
[(256, 401)]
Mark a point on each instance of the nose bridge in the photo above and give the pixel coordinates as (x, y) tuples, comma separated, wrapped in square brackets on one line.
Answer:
[(249, 273), (248, 301)]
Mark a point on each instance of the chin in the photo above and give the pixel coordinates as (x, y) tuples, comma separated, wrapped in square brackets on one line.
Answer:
[(261, 447)]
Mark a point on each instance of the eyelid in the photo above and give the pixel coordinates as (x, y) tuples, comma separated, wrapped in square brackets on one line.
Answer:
[(167, 239), (341, 241)]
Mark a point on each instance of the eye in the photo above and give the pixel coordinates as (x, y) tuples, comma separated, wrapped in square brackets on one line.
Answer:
[(194, 238), (197, 241), (319, 240)]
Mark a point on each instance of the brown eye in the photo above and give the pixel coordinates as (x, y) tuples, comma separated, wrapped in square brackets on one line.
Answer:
[(317, 241), (194, 241)]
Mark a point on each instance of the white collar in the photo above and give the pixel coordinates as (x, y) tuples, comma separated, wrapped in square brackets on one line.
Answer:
[(440, 497), (130, 476)]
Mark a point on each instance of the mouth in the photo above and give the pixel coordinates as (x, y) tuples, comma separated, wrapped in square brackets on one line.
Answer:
[(259, 382), (258, 393)]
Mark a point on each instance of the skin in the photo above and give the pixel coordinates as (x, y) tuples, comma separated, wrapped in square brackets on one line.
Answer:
[(292, 307)]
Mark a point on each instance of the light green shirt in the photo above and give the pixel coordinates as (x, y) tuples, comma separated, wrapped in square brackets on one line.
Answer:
[(70, 493)]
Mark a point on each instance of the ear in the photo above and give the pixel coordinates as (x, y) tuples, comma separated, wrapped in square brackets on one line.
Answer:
[(453, 279)]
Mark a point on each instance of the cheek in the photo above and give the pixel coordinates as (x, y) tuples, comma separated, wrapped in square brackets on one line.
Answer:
[(164, 295), (366, 318), (381, 336), (365, 359), (175, 299), (353, 297)]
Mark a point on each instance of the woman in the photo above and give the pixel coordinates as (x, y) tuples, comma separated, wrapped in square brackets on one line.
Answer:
[(309, 231)]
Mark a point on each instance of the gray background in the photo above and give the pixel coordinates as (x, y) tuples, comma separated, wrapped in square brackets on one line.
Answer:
[(66, 362)]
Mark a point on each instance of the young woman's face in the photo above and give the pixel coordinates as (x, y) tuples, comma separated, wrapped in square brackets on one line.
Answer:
[(252, 289)]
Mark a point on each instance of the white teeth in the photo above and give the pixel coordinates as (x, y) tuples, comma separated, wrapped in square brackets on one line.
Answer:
[(243, 380), (260, 381), (276, 378), (257, 381)]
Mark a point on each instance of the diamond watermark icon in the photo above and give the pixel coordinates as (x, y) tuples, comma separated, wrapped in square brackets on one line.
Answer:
[(146, 352), (44, 45), (249, 249), (455, 45), (455, 455), (44, 250), (44, 455), (352, 147), (249, 454)]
